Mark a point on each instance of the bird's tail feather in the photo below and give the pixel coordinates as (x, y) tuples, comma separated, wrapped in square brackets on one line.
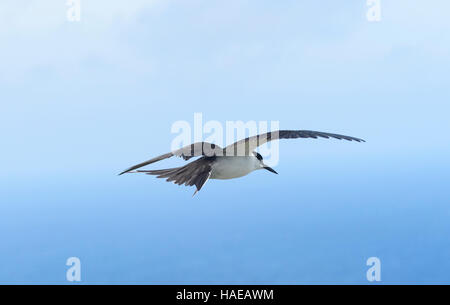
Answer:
[(195, 173)]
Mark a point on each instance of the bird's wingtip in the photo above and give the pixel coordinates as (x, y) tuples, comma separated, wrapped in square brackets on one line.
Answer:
[(357, 140), (126, 172)]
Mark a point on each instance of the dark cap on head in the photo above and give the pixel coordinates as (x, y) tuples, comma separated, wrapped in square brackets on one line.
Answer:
[(258, 156)]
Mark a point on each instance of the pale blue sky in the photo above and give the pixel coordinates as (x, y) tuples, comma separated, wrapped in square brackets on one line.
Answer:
[(82, 101)]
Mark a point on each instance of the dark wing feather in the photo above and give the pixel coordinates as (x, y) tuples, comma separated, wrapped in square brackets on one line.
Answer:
[(194, 150), (195, 173), (246, 146)]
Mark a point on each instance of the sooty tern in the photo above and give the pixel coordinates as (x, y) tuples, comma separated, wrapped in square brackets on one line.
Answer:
[(235, 160)]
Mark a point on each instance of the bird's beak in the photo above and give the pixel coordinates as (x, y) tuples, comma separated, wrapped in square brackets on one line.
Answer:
[(270, 169)]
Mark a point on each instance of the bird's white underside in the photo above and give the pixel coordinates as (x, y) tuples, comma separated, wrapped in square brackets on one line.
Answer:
[(234, 167)]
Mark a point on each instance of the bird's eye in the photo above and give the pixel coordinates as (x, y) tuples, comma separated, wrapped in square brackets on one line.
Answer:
[(258, 156)]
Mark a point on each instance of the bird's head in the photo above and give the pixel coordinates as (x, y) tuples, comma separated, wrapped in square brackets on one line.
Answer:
[(261, 165)]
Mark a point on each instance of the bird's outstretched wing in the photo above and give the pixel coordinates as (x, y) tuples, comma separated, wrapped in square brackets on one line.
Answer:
[(195, 173), (194, 150), (247, 146)]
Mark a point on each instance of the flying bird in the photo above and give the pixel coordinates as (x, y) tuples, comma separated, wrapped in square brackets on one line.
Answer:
[(235, 160)]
